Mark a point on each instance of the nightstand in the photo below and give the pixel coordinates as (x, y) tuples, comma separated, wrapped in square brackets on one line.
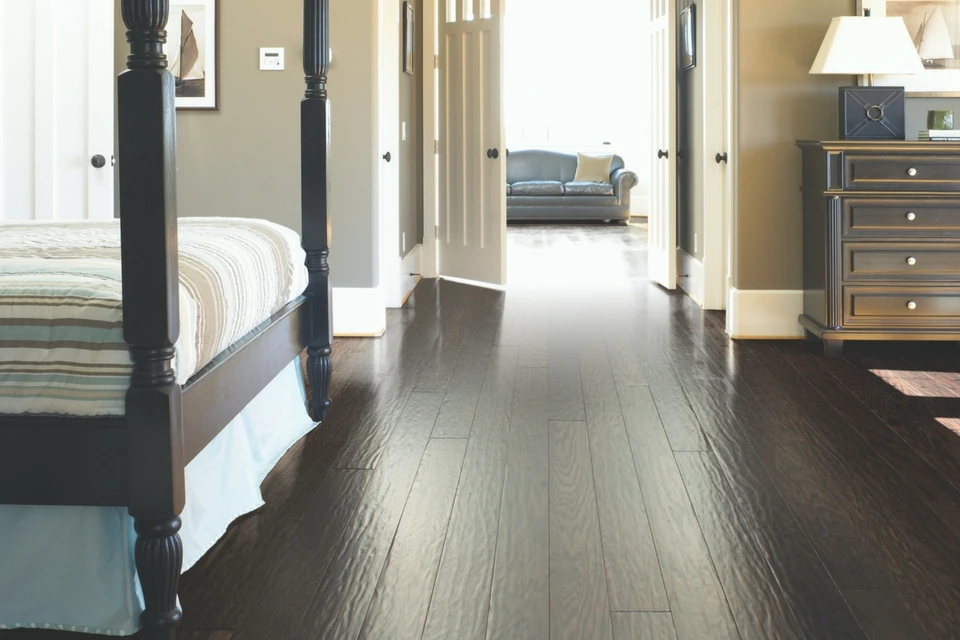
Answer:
[(881, 241)]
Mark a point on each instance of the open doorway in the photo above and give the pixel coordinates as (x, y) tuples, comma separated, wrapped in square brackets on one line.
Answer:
[(598, 82)]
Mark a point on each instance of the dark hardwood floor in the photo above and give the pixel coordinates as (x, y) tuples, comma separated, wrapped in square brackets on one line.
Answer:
[(588, 457)]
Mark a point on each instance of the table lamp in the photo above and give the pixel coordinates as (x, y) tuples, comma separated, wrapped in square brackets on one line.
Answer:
[(866, 46)]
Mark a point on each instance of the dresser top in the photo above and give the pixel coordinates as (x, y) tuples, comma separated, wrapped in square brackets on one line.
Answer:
[(888, 146)]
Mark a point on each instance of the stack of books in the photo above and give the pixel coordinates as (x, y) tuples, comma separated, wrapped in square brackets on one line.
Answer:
[(940, 135)]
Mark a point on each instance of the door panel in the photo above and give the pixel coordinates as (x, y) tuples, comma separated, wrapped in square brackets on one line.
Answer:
[(472, 220), (56, 109), (662, 266)]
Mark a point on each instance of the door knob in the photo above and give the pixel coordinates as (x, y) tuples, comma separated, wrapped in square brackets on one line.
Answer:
[(721, 157), (493, 154), (663, 154), (387, 156), (98, 161)]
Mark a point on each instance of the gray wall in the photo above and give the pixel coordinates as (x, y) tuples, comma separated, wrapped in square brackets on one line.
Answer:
[(411, 150), (779, 103), (917, 112), (245, 159)]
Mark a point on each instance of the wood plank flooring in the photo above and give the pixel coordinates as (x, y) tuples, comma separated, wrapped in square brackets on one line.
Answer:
[(588, 457)]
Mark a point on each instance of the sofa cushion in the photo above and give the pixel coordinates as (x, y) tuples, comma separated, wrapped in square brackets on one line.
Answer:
[(537, 188), (593, 168), (587, 189)]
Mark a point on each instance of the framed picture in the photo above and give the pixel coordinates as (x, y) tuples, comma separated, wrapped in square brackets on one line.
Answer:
[(934, 26), (688, 38), (409, 38), (193, 53)]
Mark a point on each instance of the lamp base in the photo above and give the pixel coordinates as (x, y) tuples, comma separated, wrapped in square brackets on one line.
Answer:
[(872, 113)]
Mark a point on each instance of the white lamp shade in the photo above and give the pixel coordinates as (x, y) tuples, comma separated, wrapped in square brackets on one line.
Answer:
[(867, 45)]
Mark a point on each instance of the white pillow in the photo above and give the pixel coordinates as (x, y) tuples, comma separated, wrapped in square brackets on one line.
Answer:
[(593, 168)]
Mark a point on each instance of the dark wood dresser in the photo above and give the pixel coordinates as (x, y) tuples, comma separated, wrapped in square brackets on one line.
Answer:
[(881, 241)]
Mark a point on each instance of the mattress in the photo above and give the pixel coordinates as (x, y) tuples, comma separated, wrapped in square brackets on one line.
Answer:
[(61, 322)]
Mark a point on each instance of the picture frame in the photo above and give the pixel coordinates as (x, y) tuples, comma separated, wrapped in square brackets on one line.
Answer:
[(409, 38), (941, 20), (687, 41), (193, 53)]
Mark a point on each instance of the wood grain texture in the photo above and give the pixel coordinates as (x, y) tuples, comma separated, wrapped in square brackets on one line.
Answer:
[(643, 626), (566, 392), (520, 593), (634, 582), (346, 588), (400, 601), (696, 597), (883, 615), (678, 419), (466, 569), (579, 607)]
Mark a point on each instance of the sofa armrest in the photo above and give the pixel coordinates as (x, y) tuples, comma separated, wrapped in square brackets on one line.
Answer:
[(623, 181)]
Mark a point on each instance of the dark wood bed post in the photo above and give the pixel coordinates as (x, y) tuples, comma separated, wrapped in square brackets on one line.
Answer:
[(151, 320), (314, 150)]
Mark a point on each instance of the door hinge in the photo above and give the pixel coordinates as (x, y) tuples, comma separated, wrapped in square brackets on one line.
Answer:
[(436, 62), (436, 231), (436, 147)]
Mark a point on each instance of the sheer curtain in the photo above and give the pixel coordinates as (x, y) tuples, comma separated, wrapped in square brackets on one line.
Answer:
[(576, 78)]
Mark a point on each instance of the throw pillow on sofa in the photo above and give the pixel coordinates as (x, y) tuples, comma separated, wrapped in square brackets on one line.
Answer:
[(593, 168)]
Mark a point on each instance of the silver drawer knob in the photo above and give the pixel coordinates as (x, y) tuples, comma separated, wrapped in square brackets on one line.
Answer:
[(912, 261), (912, 305), (911, 216), (912, 172)]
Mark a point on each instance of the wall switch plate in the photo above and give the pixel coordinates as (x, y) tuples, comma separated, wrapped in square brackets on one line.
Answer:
[(403, 241), (271, 58), (696, 243), (403, 131)]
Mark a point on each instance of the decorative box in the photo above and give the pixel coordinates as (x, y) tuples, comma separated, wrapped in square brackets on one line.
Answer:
[(872, 113)]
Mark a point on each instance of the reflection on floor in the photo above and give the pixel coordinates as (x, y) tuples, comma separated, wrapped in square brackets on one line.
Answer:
[(587, 457)]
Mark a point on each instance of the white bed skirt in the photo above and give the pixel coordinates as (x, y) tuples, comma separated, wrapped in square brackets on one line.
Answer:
[(72, 568)]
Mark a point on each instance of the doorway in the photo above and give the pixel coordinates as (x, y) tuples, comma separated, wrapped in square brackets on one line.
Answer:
[(705, 277)]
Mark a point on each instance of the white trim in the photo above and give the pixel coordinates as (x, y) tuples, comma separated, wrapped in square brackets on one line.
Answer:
[(714, 119), (429, 267), (409, 276), (359, 313), (757, 315), (692, 277)]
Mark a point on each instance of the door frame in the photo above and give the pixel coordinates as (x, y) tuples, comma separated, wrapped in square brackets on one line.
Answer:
[(719, 272)]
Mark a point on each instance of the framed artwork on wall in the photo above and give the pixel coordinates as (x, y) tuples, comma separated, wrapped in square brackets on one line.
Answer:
[(193, 53), (409, 38), (688, 38), (934, 26)]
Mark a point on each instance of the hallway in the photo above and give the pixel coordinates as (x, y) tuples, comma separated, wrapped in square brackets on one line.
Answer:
[(587, 457)]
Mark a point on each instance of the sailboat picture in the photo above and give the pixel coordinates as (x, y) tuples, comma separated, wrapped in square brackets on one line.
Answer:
[(934, 26), (192, 53)]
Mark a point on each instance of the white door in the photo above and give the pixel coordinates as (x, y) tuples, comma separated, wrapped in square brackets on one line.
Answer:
[(663, 134), (56, 109), (473, 176), (715, 152), (388, 120)]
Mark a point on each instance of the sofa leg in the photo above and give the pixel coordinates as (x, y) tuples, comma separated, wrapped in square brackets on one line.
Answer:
[(159, 557)]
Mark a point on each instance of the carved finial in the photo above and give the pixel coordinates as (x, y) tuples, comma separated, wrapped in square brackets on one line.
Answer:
[(146, 22), (316, 46)]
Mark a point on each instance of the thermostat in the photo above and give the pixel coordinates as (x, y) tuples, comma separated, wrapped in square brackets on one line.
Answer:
[(271, 58)]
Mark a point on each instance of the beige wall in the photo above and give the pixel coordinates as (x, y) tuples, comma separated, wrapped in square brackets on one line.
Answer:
[(779, 102), (245, 159)]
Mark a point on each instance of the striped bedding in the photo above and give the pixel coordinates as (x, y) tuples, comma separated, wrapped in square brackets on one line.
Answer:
[(61, 328)]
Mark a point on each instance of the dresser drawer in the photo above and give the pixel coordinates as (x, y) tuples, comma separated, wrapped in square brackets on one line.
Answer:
[(901, 217), (901, 172), (866, 261), (901, 306)]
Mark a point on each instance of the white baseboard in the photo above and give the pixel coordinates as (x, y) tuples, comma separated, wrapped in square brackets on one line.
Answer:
[(695, 281), (407, 283), (359, 313), (753, 314)]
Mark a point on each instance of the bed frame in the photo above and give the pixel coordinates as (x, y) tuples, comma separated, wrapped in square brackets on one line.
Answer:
[(137, 461)]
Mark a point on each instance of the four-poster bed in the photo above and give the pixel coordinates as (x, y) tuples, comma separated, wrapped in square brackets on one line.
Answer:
[(137, 460)]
